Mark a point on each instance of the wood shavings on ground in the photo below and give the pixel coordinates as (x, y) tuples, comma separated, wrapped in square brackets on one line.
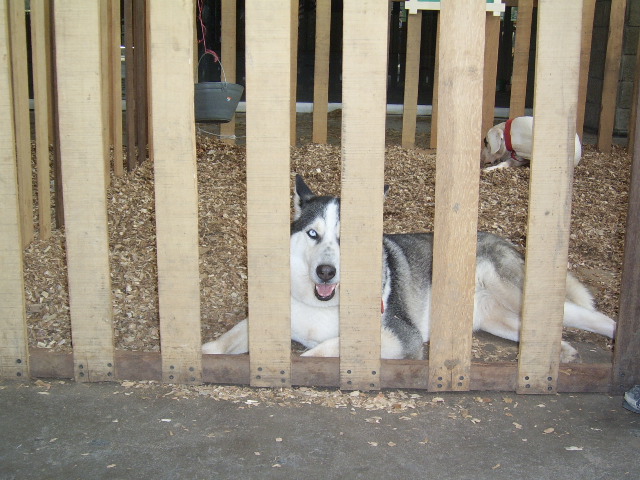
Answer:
[(595, 251)]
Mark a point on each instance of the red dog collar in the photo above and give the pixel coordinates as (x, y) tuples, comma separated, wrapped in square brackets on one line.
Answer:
[(507, 139)]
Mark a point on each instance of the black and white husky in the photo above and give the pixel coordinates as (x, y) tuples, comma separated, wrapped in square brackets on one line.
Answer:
[(406, 288)]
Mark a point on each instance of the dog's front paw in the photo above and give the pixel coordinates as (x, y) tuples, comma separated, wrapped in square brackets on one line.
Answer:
[(213, 348), (568, 354)]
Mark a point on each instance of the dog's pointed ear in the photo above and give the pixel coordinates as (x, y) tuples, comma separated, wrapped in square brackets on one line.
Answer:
[(302, 194), (495, 139)]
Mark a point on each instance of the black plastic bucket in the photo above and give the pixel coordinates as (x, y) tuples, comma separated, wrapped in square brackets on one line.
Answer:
[(216, 102)]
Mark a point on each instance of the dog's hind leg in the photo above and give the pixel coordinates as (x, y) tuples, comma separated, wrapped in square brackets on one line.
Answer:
[(576, 316), (234, 341)]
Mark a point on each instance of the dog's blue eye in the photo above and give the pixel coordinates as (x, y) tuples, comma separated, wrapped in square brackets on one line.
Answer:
[(312, 234)]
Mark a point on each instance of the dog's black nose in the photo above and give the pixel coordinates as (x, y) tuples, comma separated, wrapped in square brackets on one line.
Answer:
[(326, 272)]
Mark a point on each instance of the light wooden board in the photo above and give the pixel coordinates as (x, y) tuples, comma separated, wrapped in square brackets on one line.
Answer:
[(14, 358), (321, 71), (411, 79), (268, 80), (492, 40), (115, 75), (521, 59), (130, 86), (550, 195), (22, 122), (41, 78), (434, 101), (461, 57), (611, 75), (364, 67), (140, 16), (588, 13), (229, 31), (80, 76), (176, 195)]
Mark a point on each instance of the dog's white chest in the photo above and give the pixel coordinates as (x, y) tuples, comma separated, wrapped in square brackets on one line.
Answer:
[(311, 326)]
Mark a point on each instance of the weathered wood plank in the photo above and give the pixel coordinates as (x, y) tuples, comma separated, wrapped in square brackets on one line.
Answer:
[(80, 109), (461, 56), (41, 79), (176, 195), (268, 80), (115, 76), (492, 41), (411, 79), (229, 32), (557, 63), (22, 123), (363, 140), (521, 59), (611, 75), (14, 361), (321, 72), (588, 13), (293, 72)]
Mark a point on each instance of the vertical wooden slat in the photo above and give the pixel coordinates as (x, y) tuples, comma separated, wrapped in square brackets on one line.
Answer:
[(115, 74), (634, 105), (106, 85), (55, 126), (521, 59), (140, 45), (39, 46), (365, 31), (269, 41), (130, 86), (457, 170), (14, 358), (434, 101), (176, 193), (611, 75), (321, 71), (294, 70), (588, 13), (411, 79), (229, 31), (80, 77), (22, 122), (550, 195), (626, 368), (492, 41)]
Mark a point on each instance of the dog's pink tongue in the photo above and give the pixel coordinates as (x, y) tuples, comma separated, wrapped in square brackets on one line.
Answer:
[(324, 290)]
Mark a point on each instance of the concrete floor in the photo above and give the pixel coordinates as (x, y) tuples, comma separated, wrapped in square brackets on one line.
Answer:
[(67, 430)]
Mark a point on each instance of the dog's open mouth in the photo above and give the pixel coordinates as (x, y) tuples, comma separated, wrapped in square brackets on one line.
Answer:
[(325, 291)]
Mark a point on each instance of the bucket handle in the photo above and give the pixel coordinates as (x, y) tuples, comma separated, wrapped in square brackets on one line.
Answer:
[(224, 76)]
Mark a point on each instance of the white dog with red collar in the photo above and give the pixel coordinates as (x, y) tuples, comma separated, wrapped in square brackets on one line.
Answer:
[(510, 143)]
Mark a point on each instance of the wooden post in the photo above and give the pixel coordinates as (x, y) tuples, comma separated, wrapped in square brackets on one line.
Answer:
[(14, 358), (411, 80), (130, 88), (492, 41), (321, 71), (550, 195), (611, 75), (521, 59), (626, 368), (588, 12), (22, 122), (365, 32), (294, 71), (115, 74), (434, 100), (176, 193), (229, 31), (268, 75), (80, 74), (461, 57), (140, 44), (634, 105), (41, 78)]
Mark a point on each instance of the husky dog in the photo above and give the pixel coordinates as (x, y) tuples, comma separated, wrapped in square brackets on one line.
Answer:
[(406, 288), (510, 144)]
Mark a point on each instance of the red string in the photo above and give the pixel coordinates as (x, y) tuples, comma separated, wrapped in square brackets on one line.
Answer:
[(203, 29)]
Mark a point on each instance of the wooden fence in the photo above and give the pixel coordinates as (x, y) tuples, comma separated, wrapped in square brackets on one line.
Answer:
[(86, 124)]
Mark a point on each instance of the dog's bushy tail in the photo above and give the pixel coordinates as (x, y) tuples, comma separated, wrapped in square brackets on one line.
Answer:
[(578, 293)]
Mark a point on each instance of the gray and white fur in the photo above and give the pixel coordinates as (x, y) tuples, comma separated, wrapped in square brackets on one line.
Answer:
[(406, 288)]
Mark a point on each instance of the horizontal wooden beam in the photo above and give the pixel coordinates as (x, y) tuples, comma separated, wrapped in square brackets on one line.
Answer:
[(325, 372)]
